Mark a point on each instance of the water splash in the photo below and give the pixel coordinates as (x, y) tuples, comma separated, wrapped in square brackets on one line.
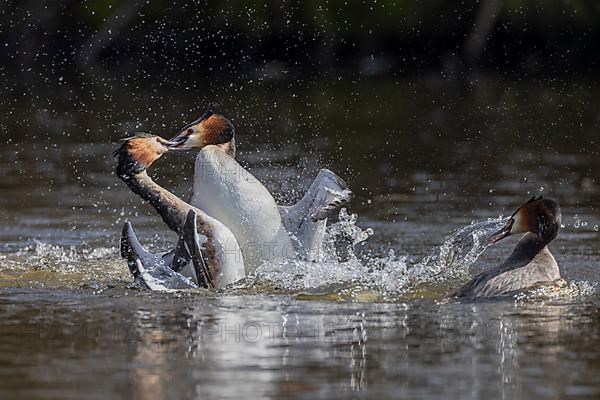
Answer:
[(459, 251), (389, 274), (559, 289), (342, 238), (50, 265), (62, 257), (344, 271)]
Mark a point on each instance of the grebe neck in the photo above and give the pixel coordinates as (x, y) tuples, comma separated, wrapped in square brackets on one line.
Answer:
[(171, 208)]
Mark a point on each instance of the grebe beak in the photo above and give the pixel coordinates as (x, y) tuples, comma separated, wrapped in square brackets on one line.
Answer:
[(502, 233), (168, 143), (178, 142)]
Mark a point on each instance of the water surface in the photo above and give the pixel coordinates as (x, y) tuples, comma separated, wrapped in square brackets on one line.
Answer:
[(421, 168)]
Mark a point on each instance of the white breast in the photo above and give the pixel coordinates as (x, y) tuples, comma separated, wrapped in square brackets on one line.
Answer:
[(228, 252), (228, 192)]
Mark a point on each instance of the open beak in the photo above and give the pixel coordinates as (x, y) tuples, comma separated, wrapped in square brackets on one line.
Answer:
[(178, 141), (167, 143), (502, 233)]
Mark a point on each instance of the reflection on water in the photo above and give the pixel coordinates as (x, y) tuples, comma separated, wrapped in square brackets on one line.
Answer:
[(215, 347), (431, 179)]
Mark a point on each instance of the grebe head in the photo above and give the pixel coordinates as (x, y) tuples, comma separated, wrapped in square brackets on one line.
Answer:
[(210, 128), (539, 216), (139, 152)]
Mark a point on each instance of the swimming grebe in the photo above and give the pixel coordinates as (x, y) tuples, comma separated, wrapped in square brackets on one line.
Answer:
[(231, 194), (211, 246), (531, 262)]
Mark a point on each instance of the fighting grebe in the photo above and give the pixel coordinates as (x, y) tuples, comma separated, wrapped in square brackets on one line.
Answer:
[(209, 244), (531, 262), (231, 194)]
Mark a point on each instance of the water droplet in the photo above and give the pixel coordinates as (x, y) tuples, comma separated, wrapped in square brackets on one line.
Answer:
[(596, 228)]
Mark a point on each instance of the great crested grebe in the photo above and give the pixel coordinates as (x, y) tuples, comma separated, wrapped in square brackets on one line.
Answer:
[(228, 192), (530, 263), (209, 244)]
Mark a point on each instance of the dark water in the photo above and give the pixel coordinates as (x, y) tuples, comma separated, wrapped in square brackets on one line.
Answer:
[(424, 160)]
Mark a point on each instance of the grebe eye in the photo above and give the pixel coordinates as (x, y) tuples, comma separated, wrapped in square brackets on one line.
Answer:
[(190, 131)]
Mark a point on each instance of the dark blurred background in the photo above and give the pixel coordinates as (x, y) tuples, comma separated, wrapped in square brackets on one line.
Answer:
[(92, 69), (435, 98)]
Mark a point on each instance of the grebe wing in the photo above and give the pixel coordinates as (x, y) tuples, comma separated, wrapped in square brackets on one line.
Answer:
[(179, 257), (148, 269), (194, 243), (314, 203), (306, 220), (331, 202)]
